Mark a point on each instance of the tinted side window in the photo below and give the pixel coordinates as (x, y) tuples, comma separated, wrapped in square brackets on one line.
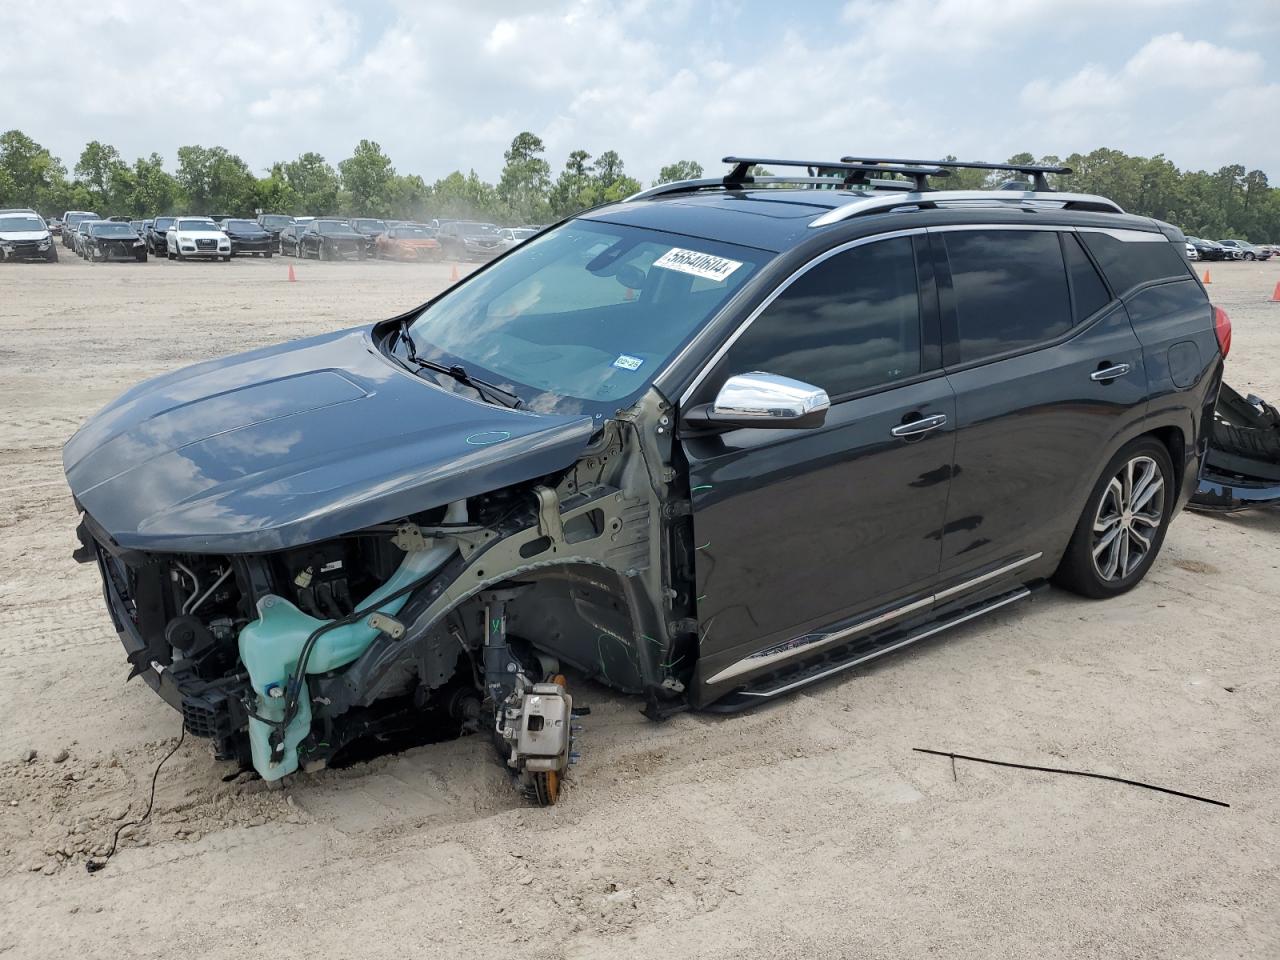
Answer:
[(849, 323), (1087, 288), (1128, 263), (1009, 288)]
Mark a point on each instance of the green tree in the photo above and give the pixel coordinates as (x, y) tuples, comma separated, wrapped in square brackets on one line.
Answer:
[(526, 180), (104, 174), (680, 170), (30, 175), (366, 177), (152, 190), (273, 193), (409, 197), (466, 197), (315, 184), (569, 194), (214, 181)]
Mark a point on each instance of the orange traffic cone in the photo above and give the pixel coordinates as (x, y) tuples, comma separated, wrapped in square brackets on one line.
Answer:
[(1275, 294), (292, 277), (453, 274), (1206, 277)]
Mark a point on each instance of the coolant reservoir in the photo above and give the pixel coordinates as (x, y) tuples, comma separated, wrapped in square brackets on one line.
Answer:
[(270, 647)]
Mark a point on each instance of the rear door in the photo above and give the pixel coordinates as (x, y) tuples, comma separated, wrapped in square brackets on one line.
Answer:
[(1046, 371), (801, 534)]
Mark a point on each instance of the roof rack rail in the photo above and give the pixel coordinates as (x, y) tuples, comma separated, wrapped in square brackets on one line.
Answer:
[(1036, 171), (854, 174), (933, 199)]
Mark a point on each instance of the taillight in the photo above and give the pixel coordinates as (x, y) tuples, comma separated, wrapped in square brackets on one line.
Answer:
[(1222, 330)]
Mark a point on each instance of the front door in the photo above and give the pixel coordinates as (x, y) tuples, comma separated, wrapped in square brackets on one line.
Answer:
[(800, 529)]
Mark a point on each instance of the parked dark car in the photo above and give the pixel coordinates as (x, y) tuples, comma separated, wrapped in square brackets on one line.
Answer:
[(24, 236), (470, 240), (248, 237), (139, 227), (110, 240), (290, 237), (1208, 250), (705, 447), (70, 220), (371, 227), (80, 237), (332, 240), (273, 223), (158, 236)]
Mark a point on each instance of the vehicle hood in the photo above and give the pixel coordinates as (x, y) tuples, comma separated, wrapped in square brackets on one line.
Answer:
[(24, 234), (297, 443), (248, 234), (198, 234), (342, 235)]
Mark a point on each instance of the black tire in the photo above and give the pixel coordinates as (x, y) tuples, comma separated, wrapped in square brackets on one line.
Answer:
[(267, 255), (1079, 572), (226, 259), (53, 254), (320, 255)]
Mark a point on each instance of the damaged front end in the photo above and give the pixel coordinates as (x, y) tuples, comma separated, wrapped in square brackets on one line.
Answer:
[(461, 618)]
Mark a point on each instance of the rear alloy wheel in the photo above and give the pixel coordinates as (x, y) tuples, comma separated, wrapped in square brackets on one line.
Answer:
[(1123, 525), (1250, 256)]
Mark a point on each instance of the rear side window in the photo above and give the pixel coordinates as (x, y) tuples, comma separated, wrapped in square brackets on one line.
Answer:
[(1009, 290), (1088, 291), (850, 323), (1129, 263)]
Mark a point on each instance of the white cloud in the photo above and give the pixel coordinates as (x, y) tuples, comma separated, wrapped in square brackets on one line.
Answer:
[(446, 85)]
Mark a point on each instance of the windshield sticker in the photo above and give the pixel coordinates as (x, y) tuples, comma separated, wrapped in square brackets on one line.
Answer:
[(699, 264), (625, 362)]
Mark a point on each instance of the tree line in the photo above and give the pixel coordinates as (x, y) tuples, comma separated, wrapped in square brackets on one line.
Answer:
[(1230, 202)]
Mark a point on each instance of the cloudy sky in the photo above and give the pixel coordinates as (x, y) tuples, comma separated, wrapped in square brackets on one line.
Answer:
[(444, 85)]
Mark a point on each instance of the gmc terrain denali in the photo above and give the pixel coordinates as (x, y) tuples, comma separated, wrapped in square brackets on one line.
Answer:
[(723, 439)]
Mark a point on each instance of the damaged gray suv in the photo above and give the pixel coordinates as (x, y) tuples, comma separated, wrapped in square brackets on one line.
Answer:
[(705, 446)]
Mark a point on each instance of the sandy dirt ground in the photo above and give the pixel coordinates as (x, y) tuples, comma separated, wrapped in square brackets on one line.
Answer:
[(808, 829)]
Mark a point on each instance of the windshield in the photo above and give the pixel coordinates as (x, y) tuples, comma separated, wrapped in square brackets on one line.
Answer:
[(242, 225), (476, 229), (17, 224), (522, 234), (276, 220), (112, 230), (162, 223), (370, 224), (405, 233), (197, 225), (584, 317), (333, 226), (74, 218)]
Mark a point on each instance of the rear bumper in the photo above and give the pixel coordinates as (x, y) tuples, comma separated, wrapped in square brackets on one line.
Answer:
[(1221, 493)]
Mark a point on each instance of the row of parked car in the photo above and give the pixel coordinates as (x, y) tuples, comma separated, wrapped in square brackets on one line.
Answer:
[(87, 235), (1198, 249)]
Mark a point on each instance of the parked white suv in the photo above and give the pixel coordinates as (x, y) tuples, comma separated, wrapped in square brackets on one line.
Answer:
[(197, 237)]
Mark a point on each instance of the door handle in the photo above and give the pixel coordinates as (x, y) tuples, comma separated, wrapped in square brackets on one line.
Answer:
[(917, 427), (1110, 373)]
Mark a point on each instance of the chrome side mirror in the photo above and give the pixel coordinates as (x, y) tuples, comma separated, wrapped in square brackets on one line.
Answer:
[(764, 401)]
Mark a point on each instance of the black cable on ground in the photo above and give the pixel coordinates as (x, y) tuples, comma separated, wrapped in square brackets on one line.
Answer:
[(1075, 773), (93, 866)]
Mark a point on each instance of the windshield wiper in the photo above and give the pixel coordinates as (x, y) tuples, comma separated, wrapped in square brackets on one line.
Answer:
[(489, 391)]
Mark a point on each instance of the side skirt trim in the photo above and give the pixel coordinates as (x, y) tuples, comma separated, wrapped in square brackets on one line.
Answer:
[(1020, 594), (810, 642)]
